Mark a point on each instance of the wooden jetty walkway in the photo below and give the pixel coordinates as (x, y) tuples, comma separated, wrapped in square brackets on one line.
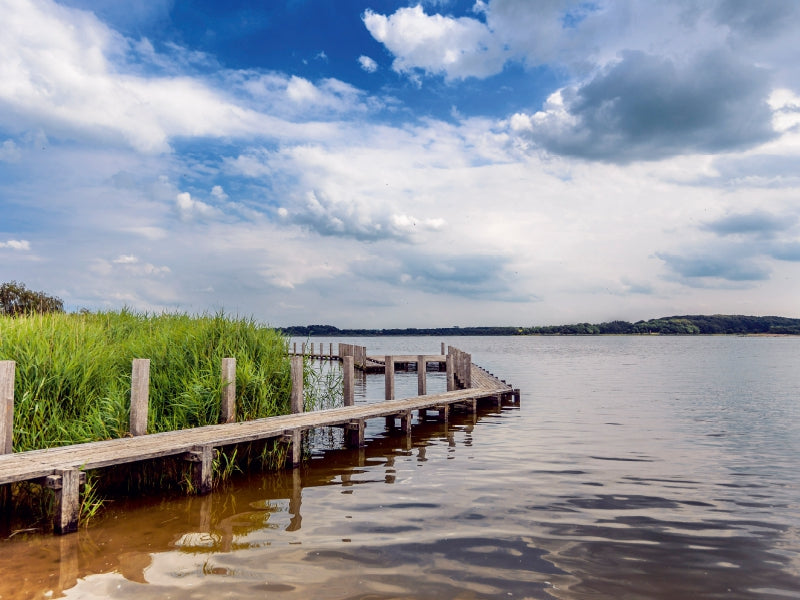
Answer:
[(63, 468)]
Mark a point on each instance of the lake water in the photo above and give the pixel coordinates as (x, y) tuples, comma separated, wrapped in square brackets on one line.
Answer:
[(635, 467)]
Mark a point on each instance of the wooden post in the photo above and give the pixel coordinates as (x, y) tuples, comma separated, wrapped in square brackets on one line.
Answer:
[(7, 372), (140, 392), (331, 351), (304, 348), (297, 384), (451, 382), (354, 433), (405, 422), (294, 348), (202, 458), (297, 407), (444, 414), (312, 349), (422, 367), (389, 372), (348, 383), (68, 503), (228, 405), (443, 352)]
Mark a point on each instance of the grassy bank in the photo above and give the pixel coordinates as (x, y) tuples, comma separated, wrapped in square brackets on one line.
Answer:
[(73, 385), (74, 371)]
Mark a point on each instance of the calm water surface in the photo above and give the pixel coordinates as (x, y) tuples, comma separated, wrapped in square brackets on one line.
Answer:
[(635, 467)]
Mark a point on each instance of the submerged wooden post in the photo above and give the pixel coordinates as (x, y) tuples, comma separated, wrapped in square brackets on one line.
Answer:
[(422, 367), (140, 392), (312, 349), (348, 383), (331, 351), (389, 372), (7, 372), (202, 458), (68, 505), (354, 433), (405, 422), (228, 408)]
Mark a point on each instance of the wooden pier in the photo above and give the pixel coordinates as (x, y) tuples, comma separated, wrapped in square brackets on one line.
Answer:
[(63, 468)]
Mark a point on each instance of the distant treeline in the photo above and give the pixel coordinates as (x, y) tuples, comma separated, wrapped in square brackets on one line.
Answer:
[(677, 325)]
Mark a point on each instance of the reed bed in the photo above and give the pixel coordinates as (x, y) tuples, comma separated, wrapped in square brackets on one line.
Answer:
[(74, 372), (73, 383)]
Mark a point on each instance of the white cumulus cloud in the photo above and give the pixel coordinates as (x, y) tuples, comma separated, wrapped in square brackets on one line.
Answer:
[(368, 64), (436, 44), (16, 244)]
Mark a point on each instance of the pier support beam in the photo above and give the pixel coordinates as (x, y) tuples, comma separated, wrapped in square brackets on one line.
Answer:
[(201, 458), (7, 372), (444, 413), (140, 392), (472, 406), (66, 485), (354, 433), (405, 422)]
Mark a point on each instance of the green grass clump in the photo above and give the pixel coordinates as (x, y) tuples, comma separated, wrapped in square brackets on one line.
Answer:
[(73, 372)]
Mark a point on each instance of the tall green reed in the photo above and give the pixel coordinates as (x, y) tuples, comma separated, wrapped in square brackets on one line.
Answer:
[(73, 372)]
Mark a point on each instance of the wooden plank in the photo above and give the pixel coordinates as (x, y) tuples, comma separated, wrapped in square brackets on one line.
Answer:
[(140, 390), (7, 371)]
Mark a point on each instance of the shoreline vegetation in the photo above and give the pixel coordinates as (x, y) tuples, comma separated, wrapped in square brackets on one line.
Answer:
[(676, 325), (73, 385)]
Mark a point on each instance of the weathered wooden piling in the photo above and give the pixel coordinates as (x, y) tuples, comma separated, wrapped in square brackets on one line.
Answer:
[(140, 394), (7, 372), (297, 408), (389, 377), (451, 381), (66, 486), (228, 403), (348, 380), (201, 459), (422, 379)]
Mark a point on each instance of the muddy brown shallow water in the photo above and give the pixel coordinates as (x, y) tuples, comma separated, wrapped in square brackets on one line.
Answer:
[(634, 468)]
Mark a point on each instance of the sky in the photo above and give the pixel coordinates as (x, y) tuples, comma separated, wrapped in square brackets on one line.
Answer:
[(378, 163)]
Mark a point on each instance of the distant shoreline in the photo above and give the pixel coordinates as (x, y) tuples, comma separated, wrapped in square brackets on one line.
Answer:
[(676, 325)]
